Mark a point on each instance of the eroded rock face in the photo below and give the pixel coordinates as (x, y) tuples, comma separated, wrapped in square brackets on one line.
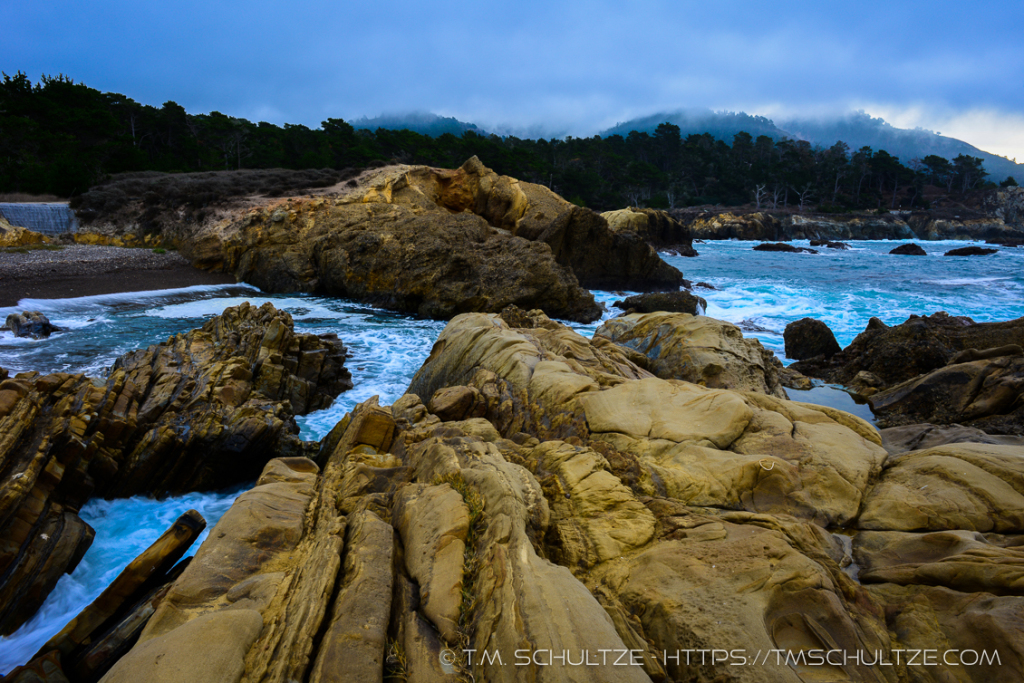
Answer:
[(564, 500), (437, 243), (698, 349), (724, 226), (201, 411), (658, 228), (915, 347)]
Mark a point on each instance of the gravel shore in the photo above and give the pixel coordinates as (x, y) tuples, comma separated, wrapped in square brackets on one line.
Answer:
[(83, 270)]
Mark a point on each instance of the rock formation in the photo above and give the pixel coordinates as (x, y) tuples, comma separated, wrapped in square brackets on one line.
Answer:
[(17, 236), (30, 324), (971, 251), (672, 302), (910, 249), (782, 246), (201, 411), (658, 228), (539, 500), (436, 243)]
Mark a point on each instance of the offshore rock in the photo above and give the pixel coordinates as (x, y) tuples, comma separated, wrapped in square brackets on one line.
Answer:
[(201, 411), (697, 349), (809, 337), (909, 250), (912, 348), (782, 246), (30, 324), (436, 243), (971, 251), (672, 302)]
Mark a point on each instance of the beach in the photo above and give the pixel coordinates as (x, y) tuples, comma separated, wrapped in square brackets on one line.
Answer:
[(85, 270)]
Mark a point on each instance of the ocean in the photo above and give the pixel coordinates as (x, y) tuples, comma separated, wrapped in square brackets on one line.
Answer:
[(760, 291)]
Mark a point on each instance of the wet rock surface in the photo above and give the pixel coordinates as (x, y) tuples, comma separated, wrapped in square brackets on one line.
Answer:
[(30, 324), (909, 250), (672, 302), (807, 338), (201, 411), (971, 251), (783, 247)]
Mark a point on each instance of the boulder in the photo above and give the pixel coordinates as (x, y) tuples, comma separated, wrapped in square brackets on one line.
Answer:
[(807, 338), (910, 249), (830, 245), (783, 246), (672, 302), (12, 236), (30, 324), (921, 436), (915, 347), (697, 349), (201, 411), (971, 251)]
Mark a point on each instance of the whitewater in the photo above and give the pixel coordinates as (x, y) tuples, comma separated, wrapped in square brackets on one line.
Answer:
[(759, 291)]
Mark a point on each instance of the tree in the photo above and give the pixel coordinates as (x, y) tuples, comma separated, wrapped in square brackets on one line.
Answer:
[(968, 171), (1009, 182)]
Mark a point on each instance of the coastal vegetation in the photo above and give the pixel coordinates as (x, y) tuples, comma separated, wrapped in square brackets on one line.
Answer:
[(61, 137)]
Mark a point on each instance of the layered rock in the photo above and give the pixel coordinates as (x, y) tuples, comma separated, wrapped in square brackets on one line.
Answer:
[(201, 411), (698, 349), (929, 227), (548, 502), (436, 243)]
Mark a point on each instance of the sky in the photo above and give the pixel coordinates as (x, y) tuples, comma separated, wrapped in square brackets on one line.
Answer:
[(542, 67)]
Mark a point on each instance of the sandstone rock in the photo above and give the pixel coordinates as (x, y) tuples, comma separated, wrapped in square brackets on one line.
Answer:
[(958, 625), (782, 246), (910, 249), (960, 560), (921, 436), (437, 243), (974, 487), (724, 226), (971, 251), (915, 347), (673, 302), (927, 226), (697, 349), (30, 324), (983, 393), (658, 228), (17, 236), (807, 338), (201, 411), (803, 227), (457, 403)]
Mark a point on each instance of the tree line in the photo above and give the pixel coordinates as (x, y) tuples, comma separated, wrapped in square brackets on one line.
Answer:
[(60, 137)]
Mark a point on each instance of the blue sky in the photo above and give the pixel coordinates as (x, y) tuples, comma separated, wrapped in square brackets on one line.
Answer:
[(568, 67)]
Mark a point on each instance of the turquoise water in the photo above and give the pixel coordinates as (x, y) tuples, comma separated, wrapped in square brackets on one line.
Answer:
[(762, 290)]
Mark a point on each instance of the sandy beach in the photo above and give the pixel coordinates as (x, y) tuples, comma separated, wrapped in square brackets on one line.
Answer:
[(81, 270)]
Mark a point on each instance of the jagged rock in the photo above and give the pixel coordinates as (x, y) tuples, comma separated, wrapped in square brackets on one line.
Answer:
[(927, 226), (697, 349), (201, 411), (910, 249), (807, 338), (658, 228), (30, 324), (984, 393), (826, 228), (921, 436), (672, 302), (915, 347), (830, 245), (976, 487), (17, 236), (782, 246), (437, 243), (971, 251)]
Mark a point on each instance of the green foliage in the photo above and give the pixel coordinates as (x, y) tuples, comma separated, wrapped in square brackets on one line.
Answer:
[(62, 137), (159, 250), (1009, 182)]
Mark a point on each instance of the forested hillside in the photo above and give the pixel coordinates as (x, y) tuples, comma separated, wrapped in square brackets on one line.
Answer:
[(61, 137)]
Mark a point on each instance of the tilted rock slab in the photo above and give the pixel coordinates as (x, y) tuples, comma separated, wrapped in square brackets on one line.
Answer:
[(201, 411)]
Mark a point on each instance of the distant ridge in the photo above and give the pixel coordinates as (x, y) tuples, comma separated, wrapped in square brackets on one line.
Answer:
[(423, 123), (857, 130)]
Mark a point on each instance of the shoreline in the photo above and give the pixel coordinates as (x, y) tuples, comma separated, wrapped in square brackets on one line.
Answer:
[(86, 270)]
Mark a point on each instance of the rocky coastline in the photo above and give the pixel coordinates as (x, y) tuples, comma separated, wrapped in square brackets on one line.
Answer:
[(650, 490)]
